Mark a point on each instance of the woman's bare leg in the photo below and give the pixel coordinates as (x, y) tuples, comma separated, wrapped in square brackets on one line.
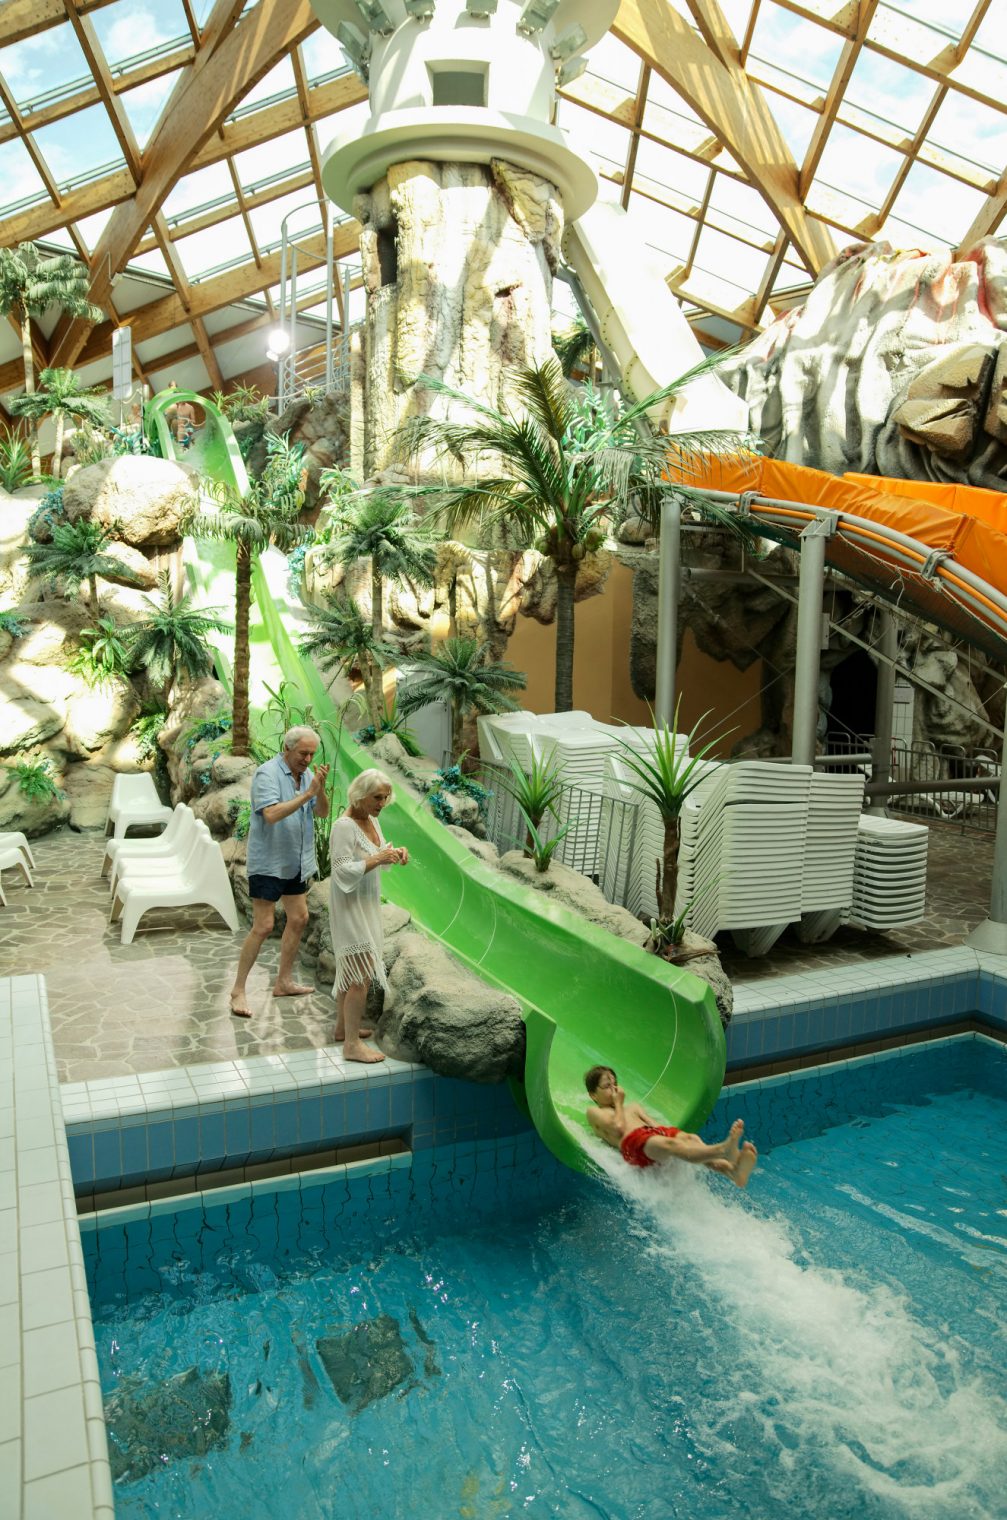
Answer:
[(354, 1004), (340, 1034)]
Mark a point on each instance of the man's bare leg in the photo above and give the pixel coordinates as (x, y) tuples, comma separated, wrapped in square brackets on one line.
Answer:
[(296, 910), (340, 1032), (354, 1003), (263, 914)]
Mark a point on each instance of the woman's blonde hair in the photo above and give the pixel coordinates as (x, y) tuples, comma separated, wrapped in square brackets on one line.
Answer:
[(367, 782)]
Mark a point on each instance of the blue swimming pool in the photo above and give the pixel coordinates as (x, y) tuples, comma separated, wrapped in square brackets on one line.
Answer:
[(464, 1339)]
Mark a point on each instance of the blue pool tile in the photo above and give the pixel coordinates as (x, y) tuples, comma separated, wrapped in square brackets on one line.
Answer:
[(107, 1155), (186, 1141), (261, 1129), (81, 1148), (356, 1113), (160, 1148), (134, 1152), (333, 1115), (401, 1104), (309, 1120), (212, 1149), (236, 1134)]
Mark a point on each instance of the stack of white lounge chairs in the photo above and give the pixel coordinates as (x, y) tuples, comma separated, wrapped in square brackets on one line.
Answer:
[(890, 873), (181, 867), (829, 854)]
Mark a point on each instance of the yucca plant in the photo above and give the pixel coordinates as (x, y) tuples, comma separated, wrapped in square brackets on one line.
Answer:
[(15, 461), (537, 790), (542, 850), (61, 395), (666, 775)]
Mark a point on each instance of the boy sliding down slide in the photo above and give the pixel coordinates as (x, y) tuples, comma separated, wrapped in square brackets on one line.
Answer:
[(642, 1142)]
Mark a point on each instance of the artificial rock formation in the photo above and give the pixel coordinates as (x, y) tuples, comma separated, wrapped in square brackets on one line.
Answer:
[(457, 262), (140, 499), (894, 365)]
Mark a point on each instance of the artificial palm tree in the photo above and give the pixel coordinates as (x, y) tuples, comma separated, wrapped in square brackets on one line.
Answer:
[(265, 514), (383, 528), (565, 467), (174, 641), (460, 674), (60, 395), (575, 348), (343, 640), (31, 282), (78, 553)]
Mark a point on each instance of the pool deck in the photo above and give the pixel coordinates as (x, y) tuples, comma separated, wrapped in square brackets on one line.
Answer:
[(125, 1082)]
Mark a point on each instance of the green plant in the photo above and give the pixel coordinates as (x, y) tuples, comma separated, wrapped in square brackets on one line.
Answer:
[(265, 514), (452, 779), (174, 642), (560, 481), (145, 730), (342, 639), (393, 722), (536, 791), (104, 654), (241, 817), (206, 730), (46, 515), (36, 781), (245, 404), (542, 850), (666, 775), (78, 553), (575, 348), (62, 396), (15, 461), (16, 626), (383, 529), (460, 674), (32, 282)]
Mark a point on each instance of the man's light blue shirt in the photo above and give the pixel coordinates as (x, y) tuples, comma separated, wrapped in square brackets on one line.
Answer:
[(285, 849)]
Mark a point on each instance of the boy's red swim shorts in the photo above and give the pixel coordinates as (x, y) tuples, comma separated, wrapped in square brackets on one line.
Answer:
[(633, 1143)]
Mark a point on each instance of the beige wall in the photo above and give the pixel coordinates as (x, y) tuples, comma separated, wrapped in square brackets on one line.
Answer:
[(601, 669)]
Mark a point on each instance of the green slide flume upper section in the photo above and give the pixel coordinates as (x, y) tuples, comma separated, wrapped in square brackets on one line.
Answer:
[(587, 996)]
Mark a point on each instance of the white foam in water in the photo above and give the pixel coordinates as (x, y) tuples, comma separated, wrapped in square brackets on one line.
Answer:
[(830, 1372)]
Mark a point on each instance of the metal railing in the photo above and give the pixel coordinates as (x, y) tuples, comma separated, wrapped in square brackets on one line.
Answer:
[(952, 775), (601, 838)]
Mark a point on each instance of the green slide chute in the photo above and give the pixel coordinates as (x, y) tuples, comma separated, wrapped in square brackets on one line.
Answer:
[(587, 997)]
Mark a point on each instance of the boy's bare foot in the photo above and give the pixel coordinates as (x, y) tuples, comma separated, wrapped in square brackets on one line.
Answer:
[(291, 989), (745, 1164), (358, 1052), (731, 1147), (340, 1035), (239, 1005)]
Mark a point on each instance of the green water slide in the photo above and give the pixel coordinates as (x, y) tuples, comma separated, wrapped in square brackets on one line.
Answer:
[(587, 997)]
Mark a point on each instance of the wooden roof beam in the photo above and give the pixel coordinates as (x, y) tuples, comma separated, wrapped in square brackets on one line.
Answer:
[(845, 64), (723, 98), (56, 110), (98, 64), (21, 19), (181, 284)]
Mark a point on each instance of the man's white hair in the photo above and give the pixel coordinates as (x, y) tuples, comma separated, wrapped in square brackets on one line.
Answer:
[(367, 782), (293, 737)]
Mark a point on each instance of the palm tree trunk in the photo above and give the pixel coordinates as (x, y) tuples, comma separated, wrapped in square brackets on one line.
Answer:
[(29, 390), (57, 453), (242, 603), (377, 601), (669, 872), (566, 576), (457, 725), (373, 694), (92, 586)]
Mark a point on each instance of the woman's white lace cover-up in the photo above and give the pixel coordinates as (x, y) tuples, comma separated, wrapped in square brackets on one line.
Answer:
[(355, 907)]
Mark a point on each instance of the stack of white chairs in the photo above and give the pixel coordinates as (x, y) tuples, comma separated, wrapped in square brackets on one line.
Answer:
[(830, 853), (742, 851), (889, 874), (15, 854), (183, 867), (134, 803)]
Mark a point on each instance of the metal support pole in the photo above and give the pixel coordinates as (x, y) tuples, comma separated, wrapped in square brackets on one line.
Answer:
[(884, 702), (328, 302), (669, 585), (809, 640), (991, 934)]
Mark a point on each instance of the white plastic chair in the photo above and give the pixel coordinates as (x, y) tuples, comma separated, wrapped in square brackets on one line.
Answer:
[(9, 860), (136, 867), (201, 879), (166, 843), (12, 840), (134, 803)]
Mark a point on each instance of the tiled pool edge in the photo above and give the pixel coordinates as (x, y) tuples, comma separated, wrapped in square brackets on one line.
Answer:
[(53, 1452)]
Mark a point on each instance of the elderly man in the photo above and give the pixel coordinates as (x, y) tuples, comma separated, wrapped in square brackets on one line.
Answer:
[(286, 797)]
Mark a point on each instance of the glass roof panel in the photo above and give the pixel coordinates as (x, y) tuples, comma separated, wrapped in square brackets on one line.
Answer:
[(204, 252), (127, 28), (614, 61), (279, 81), (938, 207), (281, 155), (965, 127), (19, 178), (266, 219), (688, 178), (79, 144), (889, 90), (145, 103), (91, 228), (791, 41), (854, 164), (43, 65), (321, 55), (153, 262), (201, 188)]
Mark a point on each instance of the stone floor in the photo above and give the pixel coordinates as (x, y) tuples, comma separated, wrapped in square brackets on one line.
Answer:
[(163, 1000)]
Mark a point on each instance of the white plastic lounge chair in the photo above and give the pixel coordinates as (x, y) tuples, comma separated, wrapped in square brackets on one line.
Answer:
[(12, 840), (201, 879), (136, 867), (134, 803), (181, 821), (9, 860)]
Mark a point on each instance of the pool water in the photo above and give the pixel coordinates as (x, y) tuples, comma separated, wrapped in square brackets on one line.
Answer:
[(829, 1344)]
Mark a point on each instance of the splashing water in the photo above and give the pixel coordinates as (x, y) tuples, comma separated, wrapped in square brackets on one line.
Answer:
[(821, 1371)]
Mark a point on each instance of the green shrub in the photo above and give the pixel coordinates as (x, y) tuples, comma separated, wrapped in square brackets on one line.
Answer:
[(16, 626), (15, 461), (49, 513), (145, 730), (241, 817), (541, 850), (36, 781), (103, 655), (451, 779), (393, 722)]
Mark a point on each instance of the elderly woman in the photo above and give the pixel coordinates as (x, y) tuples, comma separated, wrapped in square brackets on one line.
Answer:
[(358, 852)]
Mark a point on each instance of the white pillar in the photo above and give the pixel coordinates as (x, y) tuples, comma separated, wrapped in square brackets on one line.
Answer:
[(888, 649), (809, 640), (669, 580)]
